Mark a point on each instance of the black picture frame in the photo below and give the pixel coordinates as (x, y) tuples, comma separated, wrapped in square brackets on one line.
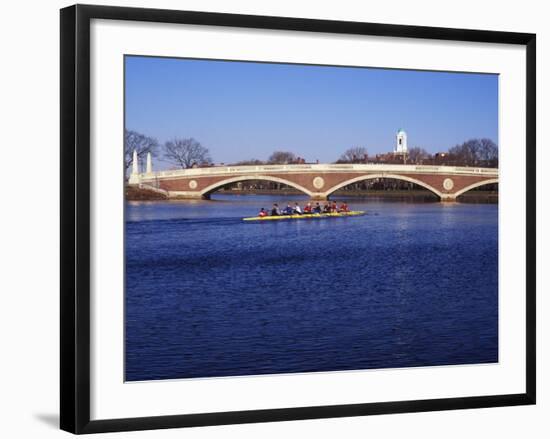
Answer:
[(75, 217)]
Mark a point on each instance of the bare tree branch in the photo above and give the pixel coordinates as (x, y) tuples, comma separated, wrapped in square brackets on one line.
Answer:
[(139, 142), (489, 152), (417, 155), (475, 152), (354, 155), (186, 152), (281, 158), (249, 162)]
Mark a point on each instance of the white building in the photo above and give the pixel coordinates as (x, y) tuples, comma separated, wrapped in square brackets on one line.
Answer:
[(400, 142)]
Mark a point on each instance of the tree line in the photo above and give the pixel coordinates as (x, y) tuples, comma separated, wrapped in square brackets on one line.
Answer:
[(189, 152), (182, 152), (474, 152)]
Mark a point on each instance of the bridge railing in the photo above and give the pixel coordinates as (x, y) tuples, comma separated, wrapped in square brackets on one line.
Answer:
[(353, 167)]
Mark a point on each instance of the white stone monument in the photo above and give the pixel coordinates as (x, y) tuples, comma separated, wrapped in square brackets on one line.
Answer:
[(149, 169), (134, 176)]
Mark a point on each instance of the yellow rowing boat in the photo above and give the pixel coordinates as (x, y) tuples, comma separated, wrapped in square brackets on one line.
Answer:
[(305, 216)]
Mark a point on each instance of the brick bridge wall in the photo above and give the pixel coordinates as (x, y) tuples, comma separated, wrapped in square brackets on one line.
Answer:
[(320, 185)]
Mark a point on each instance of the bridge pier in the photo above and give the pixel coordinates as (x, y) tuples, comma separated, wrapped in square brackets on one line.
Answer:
[(318, 197), (448, 198)]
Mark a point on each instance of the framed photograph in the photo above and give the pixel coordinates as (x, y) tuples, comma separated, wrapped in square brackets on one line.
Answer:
[(268, 219)]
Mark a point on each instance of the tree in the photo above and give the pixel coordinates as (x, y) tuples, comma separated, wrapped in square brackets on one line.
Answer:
[(186, 152), (249, 162), (354, 155), (418, 155), (281, 158), (139, 142), (489, 152), (475, 152)]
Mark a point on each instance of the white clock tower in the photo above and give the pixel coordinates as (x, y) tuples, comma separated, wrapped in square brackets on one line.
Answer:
[(400, 142)]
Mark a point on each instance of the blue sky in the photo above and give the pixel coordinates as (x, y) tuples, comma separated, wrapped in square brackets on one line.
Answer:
[(244, 110)]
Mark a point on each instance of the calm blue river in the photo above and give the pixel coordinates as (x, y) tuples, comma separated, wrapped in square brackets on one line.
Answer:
[(207, 294)]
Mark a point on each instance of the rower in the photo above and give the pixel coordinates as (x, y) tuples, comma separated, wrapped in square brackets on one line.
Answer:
[(275, 210), (297, 209), (288, 210)]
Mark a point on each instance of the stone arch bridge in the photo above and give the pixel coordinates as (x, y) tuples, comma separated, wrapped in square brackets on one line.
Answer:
[(318, 181)]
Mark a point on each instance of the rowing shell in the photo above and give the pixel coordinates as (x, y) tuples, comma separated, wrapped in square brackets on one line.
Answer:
[(304, 216)]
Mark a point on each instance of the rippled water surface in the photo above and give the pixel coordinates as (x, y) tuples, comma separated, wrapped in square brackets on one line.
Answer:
[(409, 284)]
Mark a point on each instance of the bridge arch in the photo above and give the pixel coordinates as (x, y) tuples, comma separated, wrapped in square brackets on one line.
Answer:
[(374, 176), (213, 187), (478, 184)]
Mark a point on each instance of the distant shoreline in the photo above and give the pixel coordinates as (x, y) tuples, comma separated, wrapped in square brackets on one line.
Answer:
[(136, 194)]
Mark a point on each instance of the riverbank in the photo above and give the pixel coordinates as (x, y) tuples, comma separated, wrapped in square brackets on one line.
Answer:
[(133, 193)]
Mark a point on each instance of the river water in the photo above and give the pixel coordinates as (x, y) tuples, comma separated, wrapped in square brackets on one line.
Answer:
[(208, 295)]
